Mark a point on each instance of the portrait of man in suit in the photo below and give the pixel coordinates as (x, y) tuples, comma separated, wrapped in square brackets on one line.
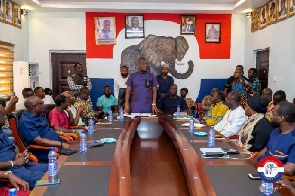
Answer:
[(134, 27), (272, 17), (282, 9), (188, 24), (1, 9), (8, 11), (17, 15)]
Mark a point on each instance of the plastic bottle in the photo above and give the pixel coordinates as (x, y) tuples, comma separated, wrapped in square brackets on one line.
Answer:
[(12, 192), (211, 137), (266, 188), (178, 111), (90, 125), (191, 125), (110, 116), (121, 114), (52, 166), (83, 142)]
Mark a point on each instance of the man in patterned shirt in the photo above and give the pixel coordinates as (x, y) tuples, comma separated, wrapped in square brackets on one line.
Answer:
[(255, 82)]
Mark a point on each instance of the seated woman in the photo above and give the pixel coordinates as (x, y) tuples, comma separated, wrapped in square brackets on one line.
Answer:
[(255, 133)]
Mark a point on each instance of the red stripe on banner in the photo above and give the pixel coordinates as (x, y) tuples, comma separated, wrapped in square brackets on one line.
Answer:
[(207, 50)]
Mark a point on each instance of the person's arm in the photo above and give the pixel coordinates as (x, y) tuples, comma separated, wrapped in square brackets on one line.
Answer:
[(160, 105), (233, 127), (78, 115), (127, 97), (70, 114), (154, 107), (261, 153), (183, 105), (46, 142), (11, 105), (15, 181), (72, 85)]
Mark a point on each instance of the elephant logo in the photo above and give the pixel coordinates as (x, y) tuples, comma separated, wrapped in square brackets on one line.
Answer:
[(156, 49)]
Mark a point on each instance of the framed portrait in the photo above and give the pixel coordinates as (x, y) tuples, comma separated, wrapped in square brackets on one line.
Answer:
[(263, 17), (213, 32), (134, 26), (2, 9), (272, 11), (188, 24), (291, 7), (255, 20), (282, 9), (105, 30), (17, 15), (8, 12)]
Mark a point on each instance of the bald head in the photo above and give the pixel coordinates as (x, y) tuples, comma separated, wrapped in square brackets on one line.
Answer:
[(34, 105)]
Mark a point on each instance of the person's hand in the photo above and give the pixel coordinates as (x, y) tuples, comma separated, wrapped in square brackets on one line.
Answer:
[(16, 181), (80, 109), (126, 109), (21, 158), (68, 109), (155, 109), (68, 136), (65, 145), (13, 99)]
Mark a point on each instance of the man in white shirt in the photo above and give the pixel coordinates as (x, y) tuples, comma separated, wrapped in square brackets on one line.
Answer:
[(234, 118), (121, 80)]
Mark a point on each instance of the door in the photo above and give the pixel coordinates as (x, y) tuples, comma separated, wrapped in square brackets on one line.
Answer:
[(62, 67), (262, 66)]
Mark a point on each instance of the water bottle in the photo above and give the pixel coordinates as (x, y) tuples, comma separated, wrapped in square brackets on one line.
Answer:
[(178, 111), (110, 116), (191, 125), (90, 125), (83, 142), (12, 192), (211, 138), (121, 114), (52, 166), (266, 188)]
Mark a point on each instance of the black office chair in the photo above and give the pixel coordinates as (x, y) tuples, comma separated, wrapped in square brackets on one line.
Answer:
[(3, 102), (121, 97)]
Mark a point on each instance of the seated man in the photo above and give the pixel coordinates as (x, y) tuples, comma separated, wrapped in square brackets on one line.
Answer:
[(234, 118), (206, 102), (107, 102), (26, 92), (76, 114), (267, 93), (35, 130), (48, 96), (217, 110), (39, 92), (281, 143), (169, 103), (82, 100), (11, 159), (192, 106), (58, 119), (278, 96)]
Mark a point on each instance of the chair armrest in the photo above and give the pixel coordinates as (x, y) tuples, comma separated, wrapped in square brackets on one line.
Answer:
[(254, 155), (78, 127), (291, 178), (34, 146), (73, 135), (33, 158), (234, 137)]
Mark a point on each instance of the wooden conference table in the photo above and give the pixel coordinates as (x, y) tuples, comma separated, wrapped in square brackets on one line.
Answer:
[(153, 156)]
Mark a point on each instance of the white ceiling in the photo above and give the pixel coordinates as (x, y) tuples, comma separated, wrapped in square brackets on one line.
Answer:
[(141, 6)]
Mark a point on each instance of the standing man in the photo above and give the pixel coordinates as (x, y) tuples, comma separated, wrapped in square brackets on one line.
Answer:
[(255, 82), (164, 81), (77, 81), (121, 80), (141, 90)]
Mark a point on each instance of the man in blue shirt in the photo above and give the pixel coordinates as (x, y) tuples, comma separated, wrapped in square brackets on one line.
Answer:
[(107, 102), (282, 143), (164, 80), (35, 130), (169, 103), (12, 160)]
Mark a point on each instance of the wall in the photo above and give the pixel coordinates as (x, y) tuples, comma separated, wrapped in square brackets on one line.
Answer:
[(18, 36), (66, 31), (280, 38)]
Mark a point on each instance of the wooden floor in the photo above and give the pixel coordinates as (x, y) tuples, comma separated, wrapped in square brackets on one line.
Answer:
[(155, 166)]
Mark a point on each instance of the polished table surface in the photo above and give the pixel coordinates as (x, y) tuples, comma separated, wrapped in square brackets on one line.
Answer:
[(155, 168)]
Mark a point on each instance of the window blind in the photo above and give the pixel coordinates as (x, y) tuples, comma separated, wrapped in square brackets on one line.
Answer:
[(6, 68)]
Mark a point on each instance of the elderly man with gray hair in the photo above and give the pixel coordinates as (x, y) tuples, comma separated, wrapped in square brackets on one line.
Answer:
[(164, 80)]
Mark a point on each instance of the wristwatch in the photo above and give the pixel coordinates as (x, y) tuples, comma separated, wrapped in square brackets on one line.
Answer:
[(153, 104), (6, 174)]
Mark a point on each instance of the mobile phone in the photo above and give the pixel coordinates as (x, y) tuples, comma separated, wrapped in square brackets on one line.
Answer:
[(254, 176), (46, 182), (230, 151)]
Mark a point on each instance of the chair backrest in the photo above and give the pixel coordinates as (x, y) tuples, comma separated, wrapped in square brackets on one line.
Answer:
[(13, 119), (3, 102), (121, 97), (47, 109)]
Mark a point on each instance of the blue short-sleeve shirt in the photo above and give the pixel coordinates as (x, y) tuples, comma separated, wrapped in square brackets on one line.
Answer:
[(7, 149)]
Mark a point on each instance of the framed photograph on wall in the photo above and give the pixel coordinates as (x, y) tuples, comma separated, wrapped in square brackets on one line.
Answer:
[(17, 15), (8, 12), (188, 24), (255, 20), (291, 7), (2, 10), (213, 32), (134, 26), (105, 30), (282, 9), (263, 18), (272, 11)]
